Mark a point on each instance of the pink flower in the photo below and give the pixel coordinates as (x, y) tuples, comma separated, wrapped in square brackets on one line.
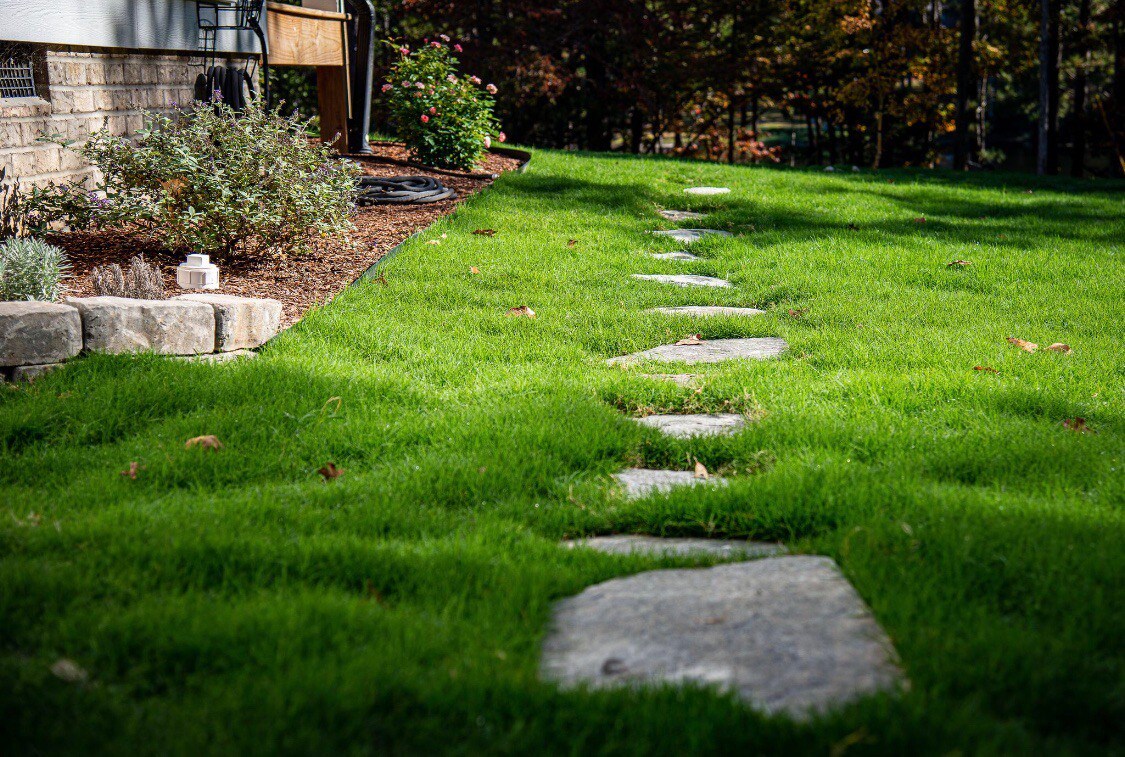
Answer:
[(435, 43), (502, 137), (388, 87), (491, 88), (425, 118), (404, 50), (475, 80), (406, 84), (457, 48), (487, 141), (444, 37), (452, 79), (419, 85), (433, 110)]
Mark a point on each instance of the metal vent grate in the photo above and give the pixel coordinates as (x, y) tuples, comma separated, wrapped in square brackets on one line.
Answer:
[(17, 73)]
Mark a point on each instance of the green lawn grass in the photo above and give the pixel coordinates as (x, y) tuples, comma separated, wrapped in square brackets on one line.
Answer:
[(233, 602)]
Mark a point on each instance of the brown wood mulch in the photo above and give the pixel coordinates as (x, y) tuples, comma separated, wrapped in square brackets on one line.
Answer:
[(298, 281)]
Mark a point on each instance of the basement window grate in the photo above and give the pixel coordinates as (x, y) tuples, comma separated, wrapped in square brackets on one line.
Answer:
[(17, 73)]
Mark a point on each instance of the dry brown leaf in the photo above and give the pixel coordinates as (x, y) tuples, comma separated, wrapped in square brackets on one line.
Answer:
[(522, 310), (134, 469), (1060, 347), (985, 369), (690, 340), (174, 187), (330, 471), (701, 470), (434, 241), (207, 441), (958, 264), (473, 269), (571, 242), (798, 312), (1077, 425), (1023, 344), (485, 232), (920, 219)]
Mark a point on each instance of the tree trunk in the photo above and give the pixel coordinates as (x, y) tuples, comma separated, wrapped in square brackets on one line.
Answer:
[(965, 81), (878, 138), (1078, 142), (1048, 82), (730, 130), (636, 130)]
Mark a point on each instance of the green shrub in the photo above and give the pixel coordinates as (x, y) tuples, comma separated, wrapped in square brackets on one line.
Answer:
[(446, 120), (209, 180), (31, 269)]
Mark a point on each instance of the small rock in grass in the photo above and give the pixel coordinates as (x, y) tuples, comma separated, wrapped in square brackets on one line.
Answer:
[(708, 351), (641, 482), (684, 280), (685, 426), (633, 544)]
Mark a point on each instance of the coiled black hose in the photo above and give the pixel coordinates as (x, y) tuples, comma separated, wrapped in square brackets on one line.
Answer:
[(401, 190)]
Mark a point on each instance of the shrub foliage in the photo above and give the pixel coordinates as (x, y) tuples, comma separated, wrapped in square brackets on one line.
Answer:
[(31, 269)]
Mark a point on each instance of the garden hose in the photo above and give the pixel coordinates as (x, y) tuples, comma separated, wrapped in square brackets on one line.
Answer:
[(401, 190)]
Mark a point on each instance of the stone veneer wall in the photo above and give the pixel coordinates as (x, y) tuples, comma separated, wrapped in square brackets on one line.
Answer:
[(87, 90)]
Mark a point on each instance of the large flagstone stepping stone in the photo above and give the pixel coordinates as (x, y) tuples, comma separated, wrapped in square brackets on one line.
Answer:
[(682, 215), (786, 634), (709, 351), (684, 280), (687, 236), (634, 544), (704, 311), (674, 256), (687, 425), (641, 482), (706, 190)]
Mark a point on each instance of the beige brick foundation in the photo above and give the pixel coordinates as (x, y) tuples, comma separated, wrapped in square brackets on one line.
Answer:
[(87, 90)]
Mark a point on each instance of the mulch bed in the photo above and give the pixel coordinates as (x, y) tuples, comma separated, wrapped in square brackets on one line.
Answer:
[(300, 281)]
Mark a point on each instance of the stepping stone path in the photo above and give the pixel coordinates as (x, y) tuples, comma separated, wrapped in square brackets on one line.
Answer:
[(632, 544), (641, 482), (674, 256), (684, 280), (786, 634), (688, 236), (682, 215), (697, 424), (681, 379), (709, 351), (704, 311), (706, 191)]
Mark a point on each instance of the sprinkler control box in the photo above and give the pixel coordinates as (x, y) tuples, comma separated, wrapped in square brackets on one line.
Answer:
[(197, 273)]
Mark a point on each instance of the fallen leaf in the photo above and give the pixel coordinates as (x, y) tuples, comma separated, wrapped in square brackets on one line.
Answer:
[(985, 369), (958, 264), (434, 241), (208, 441), (485, 232), (890, 181), (920, 219), (690, 340), (522, 310), (1077, 425), (1023, 344), (69, 671), (330, 471), (853, 227), (798, 313), (473, 269), (701, 470), (174, 187), (571, 242), (134, 468), (380, 279), (1060, 347)]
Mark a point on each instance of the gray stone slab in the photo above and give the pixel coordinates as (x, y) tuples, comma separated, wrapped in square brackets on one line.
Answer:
[(682, 215), (688, 236), (709, 351), (786, 634), (687, 425), (680, 379), (240, 322), (674, 256), (634, 544), (707, 310), (684, 280), (706, 191), (38, 333), (219, 357), (167, 327), (31, 372), (641, 482)]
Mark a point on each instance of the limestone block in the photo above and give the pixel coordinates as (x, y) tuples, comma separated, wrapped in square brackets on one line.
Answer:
[(36, 333), (167, 327)]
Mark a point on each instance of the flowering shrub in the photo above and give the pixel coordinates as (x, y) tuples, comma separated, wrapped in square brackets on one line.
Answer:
[(445, 119), (31, 269), (208, 180)]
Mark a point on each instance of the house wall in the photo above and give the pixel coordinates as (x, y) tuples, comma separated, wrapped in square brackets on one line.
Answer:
[(87, 90)]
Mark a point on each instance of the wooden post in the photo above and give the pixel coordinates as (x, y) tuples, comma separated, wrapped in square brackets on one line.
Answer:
[(332, 98)]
